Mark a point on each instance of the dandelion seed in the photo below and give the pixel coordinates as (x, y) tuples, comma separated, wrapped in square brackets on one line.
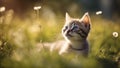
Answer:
[(2, 9), (115, 34), (37, 7), (98, 12)]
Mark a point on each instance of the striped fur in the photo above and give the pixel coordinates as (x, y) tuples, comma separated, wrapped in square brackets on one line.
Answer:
[(75, 31)]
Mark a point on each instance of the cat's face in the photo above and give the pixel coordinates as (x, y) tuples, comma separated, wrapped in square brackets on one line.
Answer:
[(76, 29)]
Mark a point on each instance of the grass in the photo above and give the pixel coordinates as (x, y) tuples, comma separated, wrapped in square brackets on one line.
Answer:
[(18, 39)]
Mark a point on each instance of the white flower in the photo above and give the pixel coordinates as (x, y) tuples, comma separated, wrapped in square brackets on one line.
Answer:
[(2, 9), (98, 12), (37, 7), (115, 34)]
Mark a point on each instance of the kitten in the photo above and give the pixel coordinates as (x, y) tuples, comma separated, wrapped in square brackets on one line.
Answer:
[(75, 32)]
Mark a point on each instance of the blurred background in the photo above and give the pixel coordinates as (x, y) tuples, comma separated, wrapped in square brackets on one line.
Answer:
[(25, 23), (108, 7)]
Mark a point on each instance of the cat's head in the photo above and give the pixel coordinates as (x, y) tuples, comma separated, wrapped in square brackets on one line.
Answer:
[(76, 29)]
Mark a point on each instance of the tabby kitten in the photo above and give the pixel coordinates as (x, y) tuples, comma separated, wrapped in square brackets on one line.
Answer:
[(75, 32)]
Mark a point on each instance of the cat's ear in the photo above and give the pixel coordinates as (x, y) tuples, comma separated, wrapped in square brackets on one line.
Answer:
[(67, 17), (86, 18)]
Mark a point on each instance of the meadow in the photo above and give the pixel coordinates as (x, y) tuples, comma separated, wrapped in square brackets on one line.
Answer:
[(19, 36)]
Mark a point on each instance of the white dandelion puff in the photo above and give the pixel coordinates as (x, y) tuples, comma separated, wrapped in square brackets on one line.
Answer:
[(115, 34), (37, 7), (98, 12), (2, 9)]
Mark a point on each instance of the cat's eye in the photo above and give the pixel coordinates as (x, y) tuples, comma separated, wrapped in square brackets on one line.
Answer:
[(74, 26)]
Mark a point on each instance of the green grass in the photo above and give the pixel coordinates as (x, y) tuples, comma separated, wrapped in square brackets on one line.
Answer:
[(18, 39)]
